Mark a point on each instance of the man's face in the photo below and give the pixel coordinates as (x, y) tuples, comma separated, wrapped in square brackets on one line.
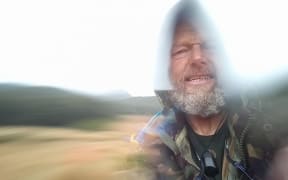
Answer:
[(192, 68), (193, 74)]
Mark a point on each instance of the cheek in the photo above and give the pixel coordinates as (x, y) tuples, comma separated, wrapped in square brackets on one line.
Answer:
[(177, 69), (211, 61)]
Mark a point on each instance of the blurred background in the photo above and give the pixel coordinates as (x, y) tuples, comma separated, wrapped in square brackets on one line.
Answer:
[(75, 86), (76, 79)]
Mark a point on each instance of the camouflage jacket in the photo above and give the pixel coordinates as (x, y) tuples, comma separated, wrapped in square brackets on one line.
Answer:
[(169, 155)]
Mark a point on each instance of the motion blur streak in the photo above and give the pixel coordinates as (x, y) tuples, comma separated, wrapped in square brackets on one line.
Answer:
[(47, 153), (54, 134)]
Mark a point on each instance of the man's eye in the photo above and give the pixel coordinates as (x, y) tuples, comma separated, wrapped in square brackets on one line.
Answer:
[(180, 52)]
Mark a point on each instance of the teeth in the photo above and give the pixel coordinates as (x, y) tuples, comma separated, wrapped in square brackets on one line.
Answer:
[(199, 78)]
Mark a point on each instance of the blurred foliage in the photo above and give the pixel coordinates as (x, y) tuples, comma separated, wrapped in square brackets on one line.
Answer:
[(30, 105)]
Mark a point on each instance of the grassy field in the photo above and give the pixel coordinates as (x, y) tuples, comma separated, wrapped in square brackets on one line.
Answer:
[(41, 153)]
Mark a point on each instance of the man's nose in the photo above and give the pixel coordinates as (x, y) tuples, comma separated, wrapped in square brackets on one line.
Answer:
[(197, 54)]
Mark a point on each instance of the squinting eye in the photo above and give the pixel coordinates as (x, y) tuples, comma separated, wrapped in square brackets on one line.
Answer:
[(180, 53)]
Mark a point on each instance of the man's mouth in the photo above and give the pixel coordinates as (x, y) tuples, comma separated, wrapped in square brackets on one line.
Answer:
[(198, 79)]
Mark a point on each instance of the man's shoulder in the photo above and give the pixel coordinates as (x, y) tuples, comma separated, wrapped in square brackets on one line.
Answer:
[(158, 146), (161, 123)]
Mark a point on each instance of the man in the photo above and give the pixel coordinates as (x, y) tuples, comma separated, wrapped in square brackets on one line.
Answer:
[(202, 133)]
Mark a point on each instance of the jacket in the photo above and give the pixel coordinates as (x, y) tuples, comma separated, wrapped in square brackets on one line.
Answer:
[(164, 142)]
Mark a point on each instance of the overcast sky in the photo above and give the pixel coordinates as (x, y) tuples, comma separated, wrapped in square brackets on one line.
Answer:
[(97, 46)]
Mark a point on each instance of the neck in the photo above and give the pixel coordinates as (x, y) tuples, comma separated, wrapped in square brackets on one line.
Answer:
[(205, 126)]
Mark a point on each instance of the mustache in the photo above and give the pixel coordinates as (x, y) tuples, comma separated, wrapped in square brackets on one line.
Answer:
[(198, 72)]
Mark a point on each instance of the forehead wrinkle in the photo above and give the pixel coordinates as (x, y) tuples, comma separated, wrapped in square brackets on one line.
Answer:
[(186, 37)]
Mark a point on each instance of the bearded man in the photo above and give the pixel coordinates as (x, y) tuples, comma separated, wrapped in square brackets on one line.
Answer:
[(202, 133)]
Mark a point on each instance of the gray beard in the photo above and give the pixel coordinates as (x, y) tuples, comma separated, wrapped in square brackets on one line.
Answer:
[(199, 103)]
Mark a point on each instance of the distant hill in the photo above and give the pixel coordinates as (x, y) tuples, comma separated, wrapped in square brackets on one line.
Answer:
[(137, 105), (115, 95), (40, 105)]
